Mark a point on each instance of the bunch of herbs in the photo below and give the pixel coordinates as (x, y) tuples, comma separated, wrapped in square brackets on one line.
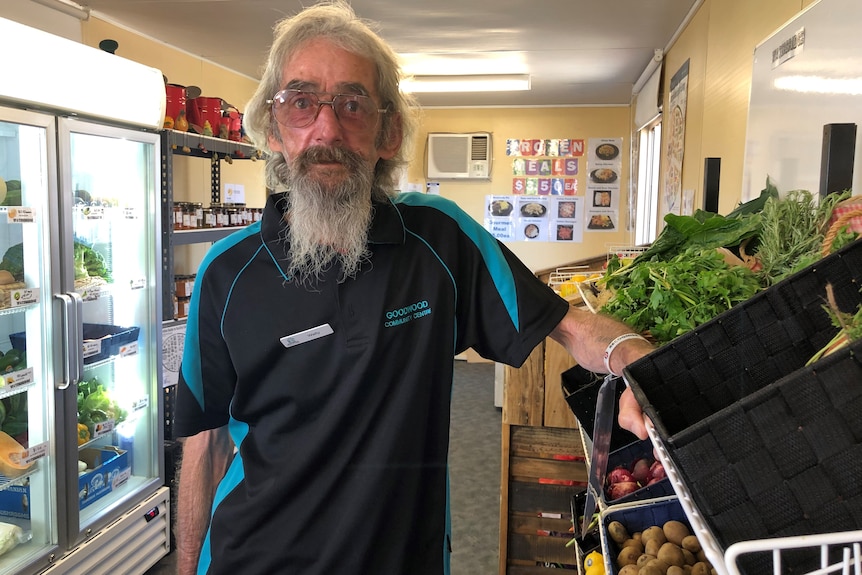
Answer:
[(670, 298), (792, 234)]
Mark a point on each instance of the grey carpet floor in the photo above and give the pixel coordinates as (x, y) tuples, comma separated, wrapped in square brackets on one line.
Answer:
[(474, 468)]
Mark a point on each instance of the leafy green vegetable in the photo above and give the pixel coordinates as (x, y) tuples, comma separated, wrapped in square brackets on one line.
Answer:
[(90, 261), (96, 405), (708, 230), (671, 298)]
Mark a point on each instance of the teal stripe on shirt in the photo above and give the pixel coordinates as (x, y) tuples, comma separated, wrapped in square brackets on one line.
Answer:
[(500, 272), (191, 364)]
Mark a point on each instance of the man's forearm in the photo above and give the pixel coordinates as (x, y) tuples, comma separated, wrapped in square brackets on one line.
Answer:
[(205, 459), (586, 336)]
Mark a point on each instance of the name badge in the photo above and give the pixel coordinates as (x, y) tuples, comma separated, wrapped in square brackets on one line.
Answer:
[(306, 335)]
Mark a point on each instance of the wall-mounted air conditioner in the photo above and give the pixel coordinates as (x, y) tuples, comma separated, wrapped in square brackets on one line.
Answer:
[(458, 156)]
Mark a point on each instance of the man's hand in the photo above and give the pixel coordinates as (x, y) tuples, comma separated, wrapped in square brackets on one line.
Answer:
[(631, 417)]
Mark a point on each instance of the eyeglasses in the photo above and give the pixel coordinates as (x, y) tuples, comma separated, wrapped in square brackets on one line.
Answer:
[(298, 109)]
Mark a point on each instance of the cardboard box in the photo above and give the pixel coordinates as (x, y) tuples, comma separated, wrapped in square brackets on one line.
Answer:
[(109, 468), (15, 502)]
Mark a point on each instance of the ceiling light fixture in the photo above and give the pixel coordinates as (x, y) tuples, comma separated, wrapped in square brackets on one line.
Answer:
[(467, 83)]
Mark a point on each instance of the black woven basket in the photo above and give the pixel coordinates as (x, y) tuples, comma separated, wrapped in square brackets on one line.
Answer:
[(767, 446)]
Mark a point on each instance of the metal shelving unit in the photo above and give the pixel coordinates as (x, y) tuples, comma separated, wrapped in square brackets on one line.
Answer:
[(216, 150)]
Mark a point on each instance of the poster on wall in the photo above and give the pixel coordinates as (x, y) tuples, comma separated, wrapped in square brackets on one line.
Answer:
[(526, 218), (567, 220), (545, 167), (672, 192), (604, 161)]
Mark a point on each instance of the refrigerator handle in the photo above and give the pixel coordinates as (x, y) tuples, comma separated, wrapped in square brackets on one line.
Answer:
[(73, 335)]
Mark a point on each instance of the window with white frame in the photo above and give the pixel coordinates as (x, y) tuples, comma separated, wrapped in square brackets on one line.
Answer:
[(649, 148)]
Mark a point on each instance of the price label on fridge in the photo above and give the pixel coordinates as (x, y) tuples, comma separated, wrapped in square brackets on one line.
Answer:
[(19, 215), (24, 296), (139, 283), (92, 347), (103, 428), (140, 404), (129, 349), (18, 379), (130, 213), (35, 452), (93, 212)]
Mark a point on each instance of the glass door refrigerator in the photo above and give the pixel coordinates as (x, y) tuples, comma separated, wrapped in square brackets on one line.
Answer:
[(81, 433)]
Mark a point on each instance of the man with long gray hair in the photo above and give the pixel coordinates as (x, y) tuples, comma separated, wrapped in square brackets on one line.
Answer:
[(316, 380)]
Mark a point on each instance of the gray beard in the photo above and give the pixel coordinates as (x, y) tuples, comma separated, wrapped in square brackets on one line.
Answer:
[(328, 223)]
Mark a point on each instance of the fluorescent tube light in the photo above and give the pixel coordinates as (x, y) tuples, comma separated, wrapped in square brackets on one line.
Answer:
[(820, 85), (467, 83)]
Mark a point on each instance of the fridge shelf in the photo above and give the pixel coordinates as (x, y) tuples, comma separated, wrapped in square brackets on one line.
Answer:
[(17, 309), (9, 392), (20, 480)]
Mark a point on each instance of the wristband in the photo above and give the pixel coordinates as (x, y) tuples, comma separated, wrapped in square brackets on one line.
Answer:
[(613, 345)]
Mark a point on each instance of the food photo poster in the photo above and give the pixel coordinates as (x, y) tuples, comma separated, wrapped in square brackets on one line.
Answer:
[(516, 218), (604, 161)]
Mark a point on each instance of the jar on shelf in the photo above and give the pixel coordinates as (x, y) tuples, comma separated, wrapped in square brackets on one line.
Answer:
[(218, 215), (178, 215), (184, 285), (183, 304), (188, 216), (232, 214), (208, 218), (199, 215)]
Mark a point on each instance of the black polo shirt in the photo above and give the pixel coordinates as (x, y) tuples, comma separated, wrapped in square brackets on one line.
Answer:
[(342, 437)]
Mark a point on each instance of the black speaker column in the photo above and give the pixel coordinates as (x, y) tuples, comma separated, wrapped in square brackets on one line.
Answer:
[(836, 161), (711, 173)]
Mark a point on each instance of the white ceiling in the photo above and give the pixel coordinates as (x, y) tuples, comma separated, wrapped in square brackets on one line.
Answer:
[(578, 52)]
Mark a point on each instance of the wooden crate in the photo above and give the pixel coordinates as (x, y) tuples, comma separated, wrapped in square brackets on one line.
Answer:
[(542, 468)]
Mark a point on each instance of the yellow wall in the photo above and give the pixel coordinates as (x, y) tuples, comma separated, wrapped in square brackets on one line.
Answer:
[(719, 43), (532, 123)]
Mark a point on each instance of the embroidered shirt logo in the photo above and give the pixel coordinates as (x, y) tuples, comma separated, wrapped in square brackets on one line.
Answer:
[(407, 313)]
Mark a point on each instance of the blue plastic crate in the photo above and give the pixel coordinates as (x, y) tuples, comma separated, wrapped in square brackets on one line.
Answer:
[(113, 338)]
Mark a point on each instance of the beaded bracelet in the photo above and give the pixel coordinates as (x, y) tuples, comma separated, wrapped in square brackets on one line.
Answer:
[(613, 345)]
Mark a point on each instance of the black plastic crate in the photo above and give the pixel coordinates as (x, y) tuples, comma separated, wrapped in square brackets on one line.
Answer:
[(581, 389), (766, 446)]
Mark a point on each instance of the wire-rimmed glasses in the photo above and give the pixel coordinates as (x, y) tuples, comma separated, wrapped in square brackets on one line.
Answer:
[(299, 108)]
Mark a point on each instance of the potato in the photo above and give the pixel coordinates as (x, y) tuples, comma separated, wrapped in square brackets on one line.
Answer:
[(650, 570), (657, 563), (671, 554), (675, 531), (618, 532), (629, 570), (690, 559), (635, 544), (652, 546), (644, 559), (628, 556), (691, 543), (700, 568), (653, 533), (675, 570)]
